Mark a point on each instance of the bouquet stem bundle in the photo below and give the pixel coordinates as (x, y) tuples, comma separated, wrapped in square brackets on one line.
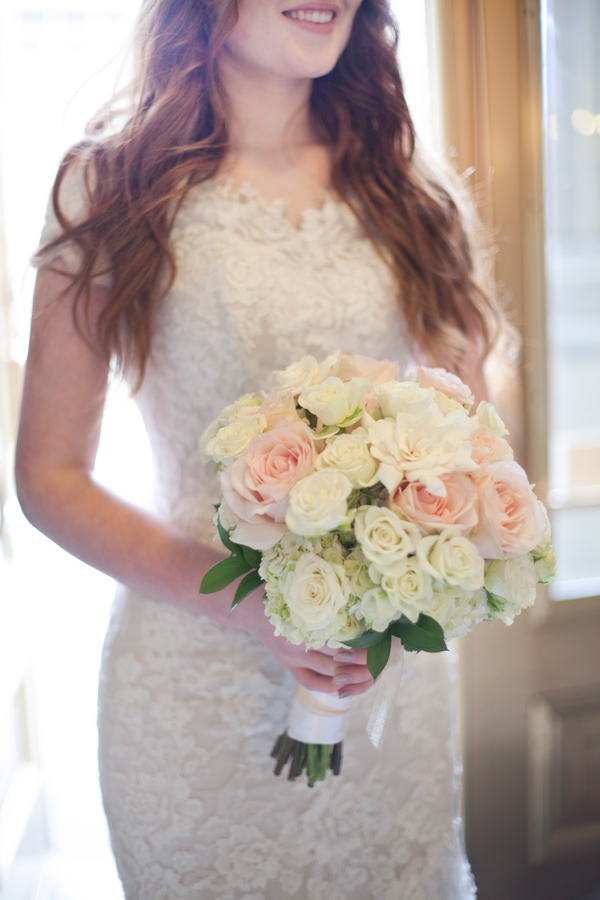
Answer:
[(315, 759)]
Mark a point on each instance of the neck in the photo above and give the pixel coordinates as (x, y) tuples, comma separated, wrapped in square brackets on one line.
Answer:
[(268, 113)]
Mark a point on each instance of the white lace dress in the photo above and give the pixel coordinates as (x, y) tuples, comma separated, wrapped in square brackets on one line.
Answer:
[(188, 709)]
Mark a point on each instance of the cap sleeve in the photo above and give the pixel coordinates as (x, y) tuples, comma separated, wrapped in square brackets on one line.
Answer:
[(73, 201)]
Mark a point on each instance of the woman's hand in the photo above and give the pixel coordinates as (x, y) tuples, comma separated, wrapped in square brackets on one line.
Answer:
[(344, 670)]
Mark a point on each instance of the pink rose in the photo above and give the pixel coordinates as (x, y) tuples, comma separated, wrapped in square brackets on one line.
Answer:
[(432, 513), (256, 486), (377, 371), (511, 522), (277, 409), (488, 447), (447, 383)]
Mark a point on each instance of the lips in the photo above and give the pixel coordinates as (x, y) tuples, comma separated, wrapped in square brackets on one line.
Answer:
[(315, 15)]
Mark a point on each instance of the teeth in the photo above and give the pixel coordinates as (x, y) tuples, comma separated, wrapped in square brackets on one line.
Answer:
[(309, 15)]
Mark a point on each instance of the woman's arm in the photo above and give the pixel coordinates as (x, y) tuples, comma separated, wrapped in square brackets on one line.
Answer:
[(63, 400)]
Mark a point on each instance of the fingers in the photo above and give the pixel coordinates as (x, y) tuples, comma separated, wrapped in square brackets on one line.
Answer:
[(353, 690), (348, 655), (312, 681)]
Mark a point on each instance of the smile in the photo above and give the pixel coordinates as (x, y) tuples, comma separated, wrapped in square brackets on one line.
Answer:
[(311, 15)]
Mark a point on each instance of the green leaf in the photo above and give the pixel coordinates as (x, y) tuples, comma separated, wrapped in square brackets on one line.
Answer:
[(378, 655), (368, 639), (225, 539), (252, 557), (222, 574), (245, 587), (426, 634)]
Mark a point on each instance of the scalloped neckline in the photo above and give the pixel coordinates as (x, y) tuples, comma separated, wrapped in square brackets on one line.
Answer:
[(248, 195)]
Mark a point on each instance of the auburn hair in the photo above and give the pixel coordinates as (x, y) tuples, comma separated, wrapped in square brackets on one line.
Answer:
[(167, 131)]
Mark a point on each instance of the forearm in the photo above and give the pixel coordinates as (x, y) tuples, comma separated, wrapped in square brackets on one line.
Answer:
[(121, 540)]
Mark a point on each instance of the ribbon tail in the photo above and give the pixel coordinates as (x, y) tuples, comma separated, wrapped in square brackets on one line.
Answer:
[(386, 691)]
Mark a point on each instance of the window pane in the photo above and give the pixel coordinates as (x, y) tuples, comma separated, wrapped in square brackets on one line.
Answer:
[(572, 120)]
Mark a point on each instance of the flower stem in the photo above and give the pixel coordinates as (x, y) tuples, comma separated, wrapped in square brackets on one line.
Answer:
[(316, 759)]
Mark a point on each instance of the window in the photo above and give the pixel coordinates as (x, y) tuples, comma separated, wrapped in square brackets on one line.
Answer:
[(572, 149)]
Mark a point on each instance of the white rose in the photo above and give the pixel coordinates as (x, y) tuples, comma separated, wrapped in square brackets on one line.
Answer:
[(545, 567), (443, 604), (422, 448), (350, 454), (514, 580), (304, 373), (403, 397), (223, 419), (409, 587), (447, 405), (377, 609), (230, 442), (446, 383), (452, 558), (318, 503), (487, 415), (314, 591), (384, 538), (334, 401)]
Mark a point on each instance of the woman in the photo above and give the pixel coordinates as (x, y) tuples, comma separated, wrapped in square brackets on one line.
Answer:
[(259, 200)]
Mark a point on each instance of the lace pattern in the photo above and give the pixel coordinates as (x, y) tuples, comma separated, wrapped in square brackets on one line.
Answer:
[(189, 710)]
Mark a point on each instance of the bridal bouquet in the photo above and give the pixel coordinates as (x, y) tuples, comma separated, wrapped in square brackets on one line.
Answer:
[(371, 509)]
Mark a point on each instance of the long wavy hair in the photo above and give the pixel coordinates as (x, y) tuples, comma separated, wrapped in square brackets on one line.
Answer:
[(168, 131)]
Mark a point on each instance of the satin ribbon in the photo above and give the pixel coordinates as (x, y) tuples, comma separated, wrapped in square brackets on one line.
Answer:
[(318, 718), (385, 693)]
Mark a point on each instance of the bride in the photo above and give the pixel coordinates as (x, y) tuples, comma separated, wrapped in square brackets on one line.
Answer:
[(256, 199)]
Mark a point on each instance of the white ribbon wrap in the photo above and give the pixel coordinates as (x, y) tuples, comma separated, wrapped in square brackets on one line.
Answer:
[(385, 692), (318, 718)]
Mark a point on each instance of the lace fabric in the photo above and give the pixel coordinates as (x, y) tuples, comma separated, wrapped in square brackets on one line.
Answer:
[(189, 710)]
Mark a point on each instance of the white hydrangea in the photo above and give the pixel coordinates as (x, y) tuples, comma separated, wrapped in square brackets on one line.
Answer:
[(512, 582), (458, 611)]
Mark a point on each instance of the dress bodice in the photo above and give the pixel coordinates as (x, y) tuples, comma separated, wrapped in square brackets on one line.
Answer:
[(252, 293)]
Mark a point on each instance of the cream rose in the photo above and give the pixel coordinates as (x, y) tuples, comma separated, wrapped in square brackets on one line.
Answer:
[(230, 442), (488, 447), (447, 383), (384, 538), (452, 558), (314, 591), (403, 397), (256, 487), (350, 454), (303, 374), (334, 401), (318, 503), (489, 418), (276, 408), (210, 432), (377, 371), (377, 609), (433, 513), (421, 448), (409, 587), (511, 521)]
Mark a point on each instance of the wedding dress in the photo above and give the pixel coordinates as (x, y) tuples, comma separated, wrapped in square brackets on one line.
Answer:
[(189, 710)]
